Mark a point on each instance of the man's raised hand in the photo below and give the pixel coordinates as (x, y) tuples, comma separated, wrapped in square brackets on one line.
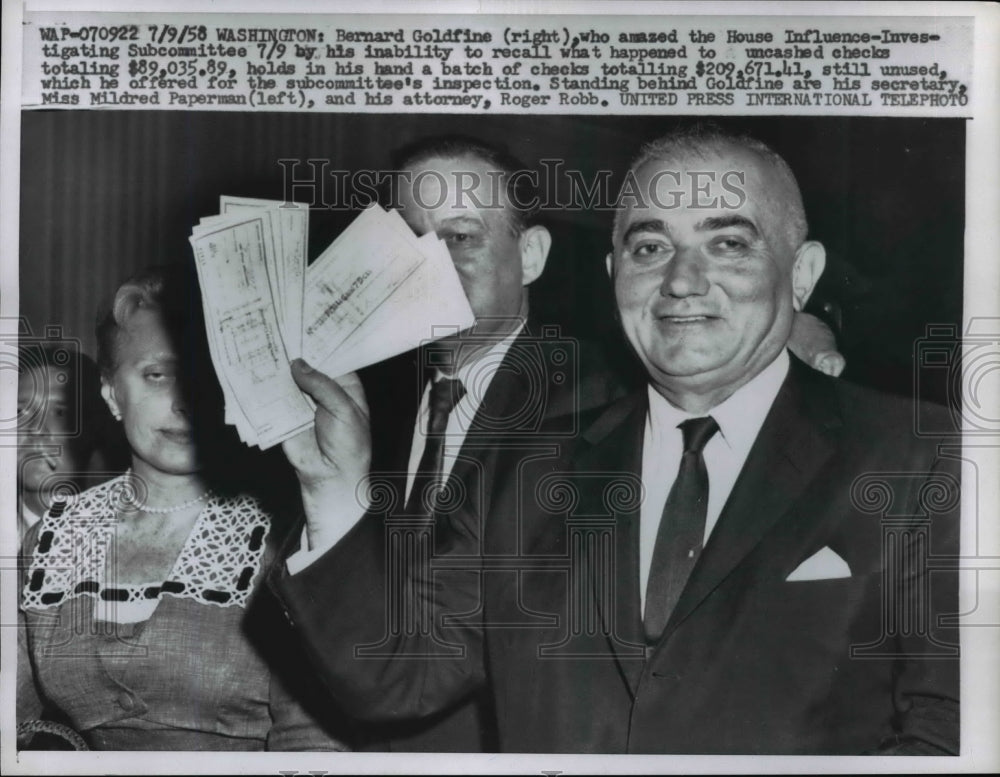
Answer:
[(331, 459)]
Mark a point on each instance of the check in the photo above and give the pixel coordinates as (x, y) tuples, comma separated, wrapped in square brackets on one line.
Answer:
[(376, 291)]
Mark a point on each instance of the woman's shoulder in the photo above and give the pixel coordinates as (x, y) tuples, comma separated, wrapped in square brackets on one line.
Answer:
[(71, 515), (63, 553), (96, 502), (282, 518), (237, 514), (231, 548)]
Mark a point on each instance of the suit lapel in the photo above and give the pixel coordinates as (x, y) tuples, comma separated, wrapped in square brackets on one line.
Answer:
[(394, 389), (508, 394), (613, 454), (795, 441)]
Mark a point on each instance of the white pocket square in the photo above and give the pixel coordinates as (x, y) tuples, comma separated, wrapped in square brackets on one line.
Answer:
[(824, 564)]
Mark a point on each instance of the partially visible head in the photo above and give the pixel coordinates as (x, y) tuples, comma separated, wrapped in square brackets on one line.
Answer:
[(57, 410), (155, 375), (710, 261), (483, 203)]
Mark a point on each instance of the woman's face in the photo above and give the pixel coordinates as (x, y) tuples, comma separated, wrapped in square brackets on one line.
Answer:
[(146, 391)]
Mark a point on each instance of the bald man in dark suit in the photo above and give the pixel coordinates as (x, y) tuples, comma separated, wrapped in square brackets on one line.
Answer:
[(736, 558)]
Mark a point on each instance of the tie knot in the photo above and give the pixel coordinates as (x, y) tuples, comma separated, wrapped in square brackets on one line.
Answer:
[(697, 432), (445, 394)]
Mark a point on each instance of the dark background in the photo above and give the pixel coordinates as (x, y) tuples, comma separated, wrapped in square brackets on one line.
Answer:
[(105, 193)]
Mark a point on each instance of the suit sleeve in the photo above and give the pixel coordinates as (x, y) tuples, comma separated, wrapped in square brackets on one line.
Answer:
[(301, 719), (926, 681), (371, 615)]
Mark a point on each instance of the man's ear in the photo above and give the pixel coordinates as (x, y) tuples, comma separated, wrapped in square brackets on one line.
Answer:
[(108, 393), (609, 264), (810, 260), (535, 242)]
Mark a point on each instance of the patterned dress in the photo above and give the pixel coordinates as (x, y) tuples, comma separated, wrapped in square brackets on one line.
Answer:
[(191, 662)]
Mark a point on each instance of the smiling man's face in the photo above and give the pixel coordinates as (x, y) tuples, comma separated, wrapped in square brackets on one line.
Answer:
[(706, 293)]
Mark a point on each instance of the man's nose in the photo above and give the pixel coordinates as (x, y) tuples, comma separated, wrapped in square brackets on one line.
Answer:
[(684, 275)]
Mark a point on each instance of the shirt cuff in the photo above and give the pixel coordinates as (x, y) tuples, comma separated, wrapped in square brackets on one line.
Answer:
[(303, 557)]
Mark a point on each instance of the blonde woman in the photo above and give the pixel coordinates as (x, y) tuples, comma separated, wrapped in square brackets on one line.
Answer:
[(145, 625)]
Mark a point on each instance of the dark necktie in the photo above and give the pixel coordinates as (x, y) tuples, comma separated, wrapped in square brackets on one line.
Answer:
[(682, 529), (445, 394)]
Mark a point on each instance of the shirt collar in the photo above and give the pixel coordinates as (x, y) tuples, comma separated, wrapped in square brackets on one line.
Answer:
[(28, 518), (480, 371), (739, 417)]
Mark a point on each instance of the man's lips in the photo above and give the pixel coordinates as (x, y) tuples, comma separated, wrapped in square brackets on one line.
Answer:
[(689, 318)]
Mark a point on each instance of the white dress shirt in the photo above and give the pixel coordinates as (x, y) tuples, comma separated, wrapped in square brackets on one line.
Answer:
[(476, 377), (26, 520), (739, 418)]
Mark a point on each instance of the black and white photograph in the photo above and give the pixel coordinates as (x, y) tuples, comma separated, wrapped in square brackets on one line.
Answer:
[(538, 390)]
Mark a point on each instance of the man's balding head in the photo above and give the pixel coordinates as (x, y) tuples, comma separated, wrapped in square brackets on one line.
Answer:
[(701, 141)]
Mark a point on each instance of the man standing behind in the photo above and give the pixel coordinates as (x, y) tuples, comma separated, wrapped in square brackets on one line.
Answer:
[(765, 587), (60, 420), (437, 413)]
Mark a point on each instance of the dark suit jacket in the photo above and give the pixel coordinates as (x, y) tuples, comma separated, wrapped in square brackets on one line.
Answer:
[(540, 378), (540, 602)]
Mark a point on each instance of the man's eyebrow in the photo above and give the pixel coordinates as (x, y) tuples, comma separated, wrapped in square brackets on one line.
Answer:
[(724, 222), (463, 221), (649, 225), (462, 218)]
